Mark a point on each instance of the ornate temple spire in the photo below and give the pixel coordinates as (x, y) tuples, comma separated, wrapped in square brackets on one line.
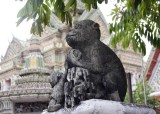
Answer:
[(34, 45), (34, 61), (34, 75)]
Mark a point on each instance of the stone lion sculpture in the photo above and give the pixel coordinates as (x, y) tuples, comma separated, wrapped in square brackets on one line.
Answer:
[(92, 69)]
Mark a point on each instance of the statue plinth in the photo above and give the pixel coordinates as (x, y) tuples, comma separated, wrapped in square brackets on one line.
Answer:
[(97, 106)]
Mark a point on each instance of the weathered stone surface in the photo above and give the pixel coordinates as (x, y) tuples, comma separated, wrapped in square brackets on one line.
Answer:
[(57, 97), (105, 77), (92, 70), (96, 106)]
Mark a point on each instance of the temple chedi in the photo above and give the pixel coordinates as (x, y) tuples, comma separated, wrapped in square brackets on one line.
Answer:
[(31, 90)]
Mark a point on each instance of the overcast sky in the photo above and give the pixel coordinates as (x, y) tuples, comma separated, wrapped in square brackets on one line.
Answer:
[(8, 18), (8, 12)]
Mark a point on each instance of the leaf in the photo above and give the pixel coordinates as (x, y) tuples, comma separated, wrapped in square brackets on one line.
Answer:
[(41, 15), (110, 28), (75, 8), (140, 31), (94, 4), (47, 14), (155, 33), (116, 9), (106, 1), (88, 2), (56, 5), (113, 18), (52, 1), (125, 42), (33, 28), (47, 2), (112, 41), (29, 7), (40, 28), (148, 28), (143, 47), (100, 1), (69, 4), (155, 41), (63, 17), (70, 19), (36, 4), (158, 42), (21, 13), (20, 20), (33, 15), (88, 7), (119, 38), (46, 8), (146, 33), (134, 44)]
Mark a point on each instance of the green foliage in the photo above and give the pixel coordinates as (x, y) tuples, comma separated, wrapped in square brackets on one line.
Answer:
[(40, 11), (134, 20), (138, 96), (30, 11)]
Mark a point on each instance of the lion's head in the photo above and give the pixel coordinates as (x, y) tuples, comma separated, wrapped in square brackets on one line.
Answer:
[(83, 33)]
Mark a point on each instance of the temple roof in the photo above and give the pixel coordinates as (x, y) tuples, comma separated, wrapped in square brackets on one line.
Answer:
[(14, 48), (152, 62), (94, 14), (55, 21)]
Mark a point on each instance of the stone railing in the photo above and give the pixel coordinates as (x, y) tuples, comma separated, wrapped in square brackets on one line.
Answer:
[(32, 85), (32, 78), (24, 92), (36, 70)]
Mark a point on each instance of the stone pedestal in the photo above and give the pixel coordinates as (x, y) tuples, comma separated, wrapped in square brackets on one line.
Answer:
[(96, 106)]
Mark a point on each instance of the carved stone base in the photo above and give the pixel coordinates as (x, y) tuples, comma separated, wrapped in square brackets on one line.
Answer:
[(97, 106)]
